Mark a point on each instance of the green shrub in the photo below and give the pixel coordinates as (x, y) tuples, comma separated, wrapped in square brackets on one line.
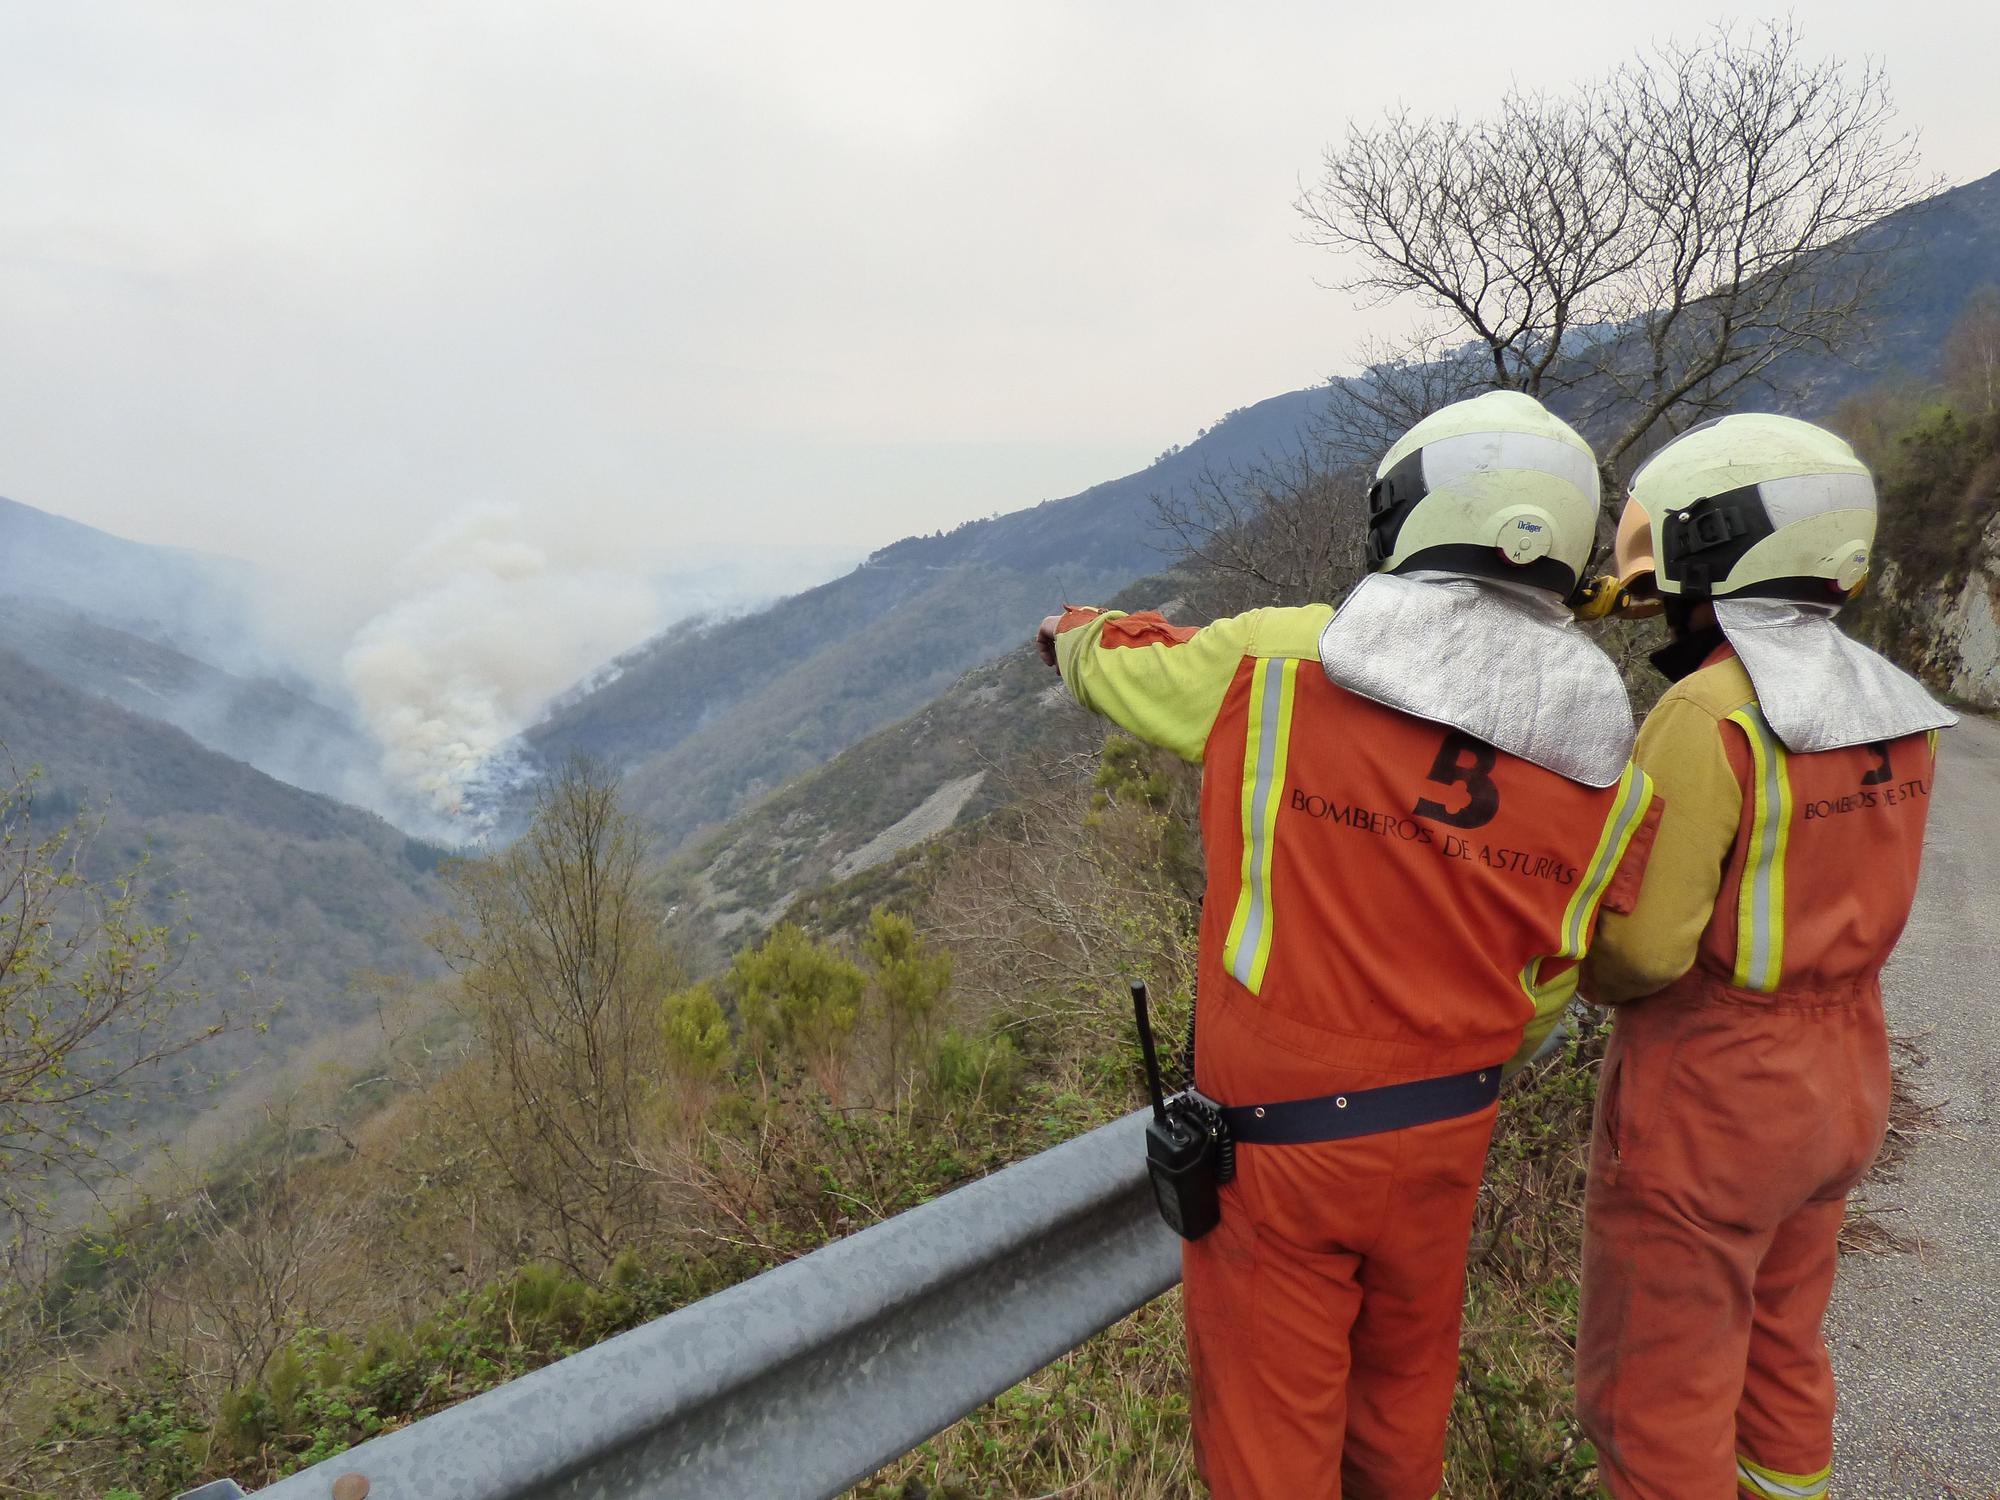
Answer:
[(982, 1068), (697, 1035)]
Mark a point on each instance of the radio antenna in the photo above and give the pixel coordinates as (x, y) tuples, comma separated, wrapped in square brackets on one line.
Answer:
[(1146, 1047)]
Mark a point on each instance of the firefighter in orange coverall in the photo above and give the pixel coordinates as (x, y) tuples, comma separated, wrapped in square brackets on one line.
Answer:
[(1412, 812), (1747, 1084)]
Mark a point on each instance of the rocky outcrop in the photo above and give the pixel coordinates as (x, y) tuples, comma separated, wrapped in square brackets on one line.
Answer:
[(1947, 633), (1969, 632)]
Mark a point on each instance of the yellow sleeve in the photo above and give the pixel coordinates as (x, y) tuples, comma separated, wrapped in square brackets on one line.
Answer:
[(1610, 883), (1638, 952), (1163, 683), (1551, 1001)]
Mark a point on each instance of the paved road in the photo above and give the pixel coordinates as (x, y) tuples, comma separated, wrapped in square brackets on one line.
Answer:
[(1916, 1338)]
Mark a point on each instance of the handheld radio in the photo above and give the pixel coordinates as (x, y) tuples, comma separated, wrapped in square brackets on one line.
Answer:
[(1189, 1153)]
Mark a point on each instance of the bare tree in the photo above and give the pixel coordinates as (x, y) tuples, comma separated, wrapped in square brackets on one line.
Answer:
[(247, 1265), (1972, 354), (89, 1010), (1653, 244), (1514, 230), (561, 975), (1062, 902), (1400, 383), (1284, 531)]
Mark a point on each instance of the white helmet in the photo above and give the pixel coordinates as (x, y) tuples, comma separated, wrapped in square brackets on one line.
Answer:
[(1496, 486), (1755, 504)]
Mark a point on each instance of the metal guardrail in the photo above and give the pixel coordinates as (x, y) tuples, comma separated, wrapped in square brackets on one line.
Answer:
[(810, 1377)]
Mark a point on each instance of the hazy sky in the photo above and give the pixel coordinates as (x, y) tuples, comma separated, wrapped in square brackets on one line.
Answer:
[(290, 280)]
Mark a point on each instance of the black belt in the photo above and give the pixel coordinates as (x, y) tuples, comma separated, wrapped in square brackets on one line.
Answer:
[(1335, 1117)]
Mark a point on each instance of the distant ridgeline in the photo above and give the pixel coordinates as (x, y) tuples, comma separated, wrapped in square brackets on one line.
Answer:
[(189, 600)]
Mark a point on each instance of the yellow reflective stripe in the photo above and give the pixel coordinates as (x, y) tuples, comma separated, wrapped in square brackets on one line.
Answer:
[(1760, 902), (1628, 812), (1531, 978), (1759, 1480), (1266, 749), (1931, 735), (1551, 997)]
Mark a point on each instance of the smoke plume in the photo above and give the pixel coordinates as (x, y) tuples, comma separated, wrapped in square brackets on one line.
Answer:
[(488, 626)]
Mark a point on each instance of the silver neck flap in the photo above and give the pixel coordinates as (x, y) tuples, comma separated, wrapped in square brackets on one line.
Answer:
[(1505, 664), (1818, 689)]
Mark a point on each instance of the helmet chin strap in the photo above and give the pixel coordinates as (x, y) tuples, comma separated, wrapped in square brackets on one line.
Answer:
[(1605, 597), (1687, 616)]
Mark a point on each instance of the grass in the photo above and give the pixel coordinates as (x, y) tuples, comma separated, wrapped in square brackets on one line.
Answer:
[(1109, 1421)]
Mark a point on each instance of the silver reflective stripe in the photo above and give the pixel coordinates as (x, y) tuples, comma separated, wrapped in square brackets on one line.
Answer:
[(1800, 497), (1468, 453), (1770, 1484), (1260, 800)]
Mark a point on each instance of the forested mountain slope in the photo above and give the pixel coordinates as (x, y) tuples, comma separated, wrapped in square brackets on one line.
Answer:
[(290, 893), (1946, 248), (173, 635), (272, 726), (707, 719)]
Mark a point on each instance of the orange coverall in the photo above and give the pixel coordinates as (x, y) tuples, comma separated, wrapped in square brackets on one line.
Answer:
[(1745, 1092), (1388, 900)]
